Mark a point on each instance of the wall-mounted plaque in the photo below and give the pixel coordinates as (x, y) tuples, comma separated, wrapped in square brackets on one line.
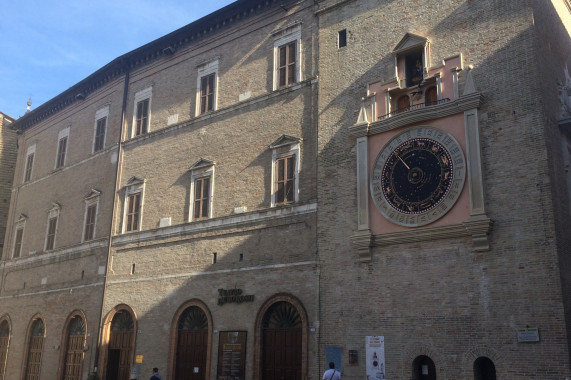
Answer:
[(232, 355), (528, 335)]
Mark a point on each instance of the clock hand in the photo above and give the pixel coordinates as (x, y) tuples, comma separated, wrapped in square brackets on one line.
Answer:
[(401, 160)]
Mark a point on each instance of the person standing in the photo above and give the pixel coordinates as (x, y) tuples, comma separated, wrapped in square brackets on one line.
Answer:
[(155, 375), (330, 374)]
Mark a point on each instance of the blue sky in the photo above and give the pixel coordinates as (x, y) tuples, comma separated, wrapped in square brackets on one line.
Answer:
[(48, 46)]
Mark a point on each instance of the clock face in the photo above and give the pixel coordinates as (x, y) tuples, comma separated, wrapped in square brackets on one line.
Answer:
[(417, 176)]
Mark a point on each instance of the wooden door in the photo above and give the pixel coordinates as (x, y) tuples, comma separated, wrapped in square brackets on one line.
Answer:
[(190, 354), (281, 343), (3, 356), (35, 349), (192, 345), (113, 359), (73, 358), (282, 354), (4, 339), (34, 358), (121, 342), (74, 349), (120, 347)]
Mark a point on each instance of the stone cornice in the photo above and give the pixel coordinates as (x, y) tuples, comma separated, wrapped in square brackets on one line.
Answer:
[(222, 111), (196, 32), (463, 103), (477, 227), (68, 252), (217, 226), (331, 7)]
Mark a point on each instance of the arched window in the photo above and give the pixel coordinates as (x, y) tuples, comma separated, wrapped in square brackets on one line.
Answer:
[(74, 349), (4, 340), (35, 349), (281, 342), (191, 345), (484, 369), (431, 96), (120, 347), (423, 368), (403, 103)]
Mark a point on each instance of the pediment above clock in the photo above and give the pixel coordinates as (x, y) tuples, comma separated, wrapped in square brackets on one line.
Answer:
[(93, 193), (134, 181), (284, 140), (410, 41), (202, 163)]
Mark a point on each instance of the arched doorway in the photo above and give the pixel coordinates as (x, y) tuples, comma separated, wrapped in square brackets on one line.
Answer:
[(191, 345), (73, 349), (120, 347), (484, 369), (423, 368), (35, 349), (403, 103), (431, 96), (281, 345), (4, 341)]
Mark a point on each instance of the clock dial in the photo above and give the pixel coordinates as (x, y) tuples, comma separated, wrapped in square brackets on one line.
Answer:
[(417, 176)]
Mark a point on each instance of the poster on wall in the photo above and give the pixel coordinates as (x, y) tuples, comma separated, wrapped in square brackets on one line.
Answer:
[(232, 355), (375, 363)]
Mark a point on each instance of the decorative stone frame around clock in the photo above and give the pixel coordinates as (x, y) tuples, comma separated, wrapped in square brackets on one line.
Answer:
[(477, 226), (457, 164)]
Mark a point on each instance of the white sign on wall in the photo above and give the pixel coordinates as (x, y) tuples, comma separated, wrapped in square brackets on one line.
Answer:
[(375, 363)]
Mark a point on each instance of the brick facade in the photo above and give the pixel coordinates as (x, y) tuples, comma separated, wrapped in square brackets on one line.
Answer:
[(192, 236), (7, 164)]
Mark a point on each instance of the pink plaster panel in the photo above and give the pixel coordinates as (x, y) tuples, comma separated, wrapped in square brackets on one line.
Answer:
[(461, 210), (446, 78)]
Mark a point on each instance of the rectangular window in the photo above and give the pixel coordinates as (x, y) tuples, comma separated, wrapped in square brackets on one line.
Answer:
[(51, 235), (18, 242), (201, 198), (287, 64), (61, 151), (89, 232), (99, 141), (342, 38), (285, 179), (142, 119), (207, 93), (133, 212), (206, 87), (29, 165)]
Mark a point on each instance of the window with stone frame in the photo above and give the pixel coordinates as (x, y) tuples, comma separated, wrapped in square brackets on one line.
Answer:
[(201, 189), (90, 219), (287, 64), (285, 179), (18, 237), (62, 148), (411, 60), (285, 170), (100, 129), (206, 87), (133, 212), (142, 112), (142, 117), (31, 152), (207, 91), (18, 242), (51, 229), (287, 55), (133, 206)]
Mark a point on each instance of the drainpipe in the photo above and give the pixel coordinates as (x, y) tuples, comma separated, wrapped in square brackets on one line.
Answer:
[(112, 223)]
